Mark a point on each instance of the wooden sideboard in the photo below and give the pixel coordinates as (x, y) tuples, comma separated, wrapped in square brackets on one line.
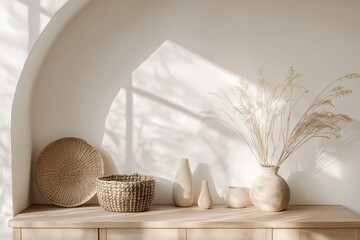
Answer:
[(166, 222)]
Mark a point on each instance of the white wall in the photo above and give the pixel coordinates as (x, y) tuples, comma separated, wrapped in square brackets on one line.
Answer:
[(21, 24), (131, 76)]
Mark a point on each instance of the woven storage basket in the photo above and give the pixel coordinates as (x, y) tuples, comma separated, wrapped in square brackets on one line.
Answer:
[(126, 193)]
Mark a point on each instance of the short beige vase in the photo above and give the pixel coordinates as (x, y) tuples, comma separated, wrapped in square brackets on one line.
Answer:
[(183, 188), (205, 200), (237, 197), (270, 192)]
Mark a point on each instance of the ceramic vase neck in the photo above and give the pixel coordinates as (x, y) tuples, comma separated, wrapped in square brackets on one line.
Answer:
[(270, 170), (184, 161)]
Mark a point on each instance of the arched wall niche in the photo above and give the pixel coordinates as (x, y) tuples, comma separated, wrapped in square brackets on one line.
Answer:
[(130, 77), (21, 111)]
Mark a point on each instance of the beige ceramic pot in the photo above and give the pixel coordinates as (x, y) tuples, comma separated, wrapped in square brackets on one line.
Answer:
[(237, 197), (269, 191)]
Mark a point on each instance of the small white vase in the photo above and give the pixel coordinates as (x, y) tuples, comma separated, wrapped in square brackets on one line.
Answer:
[(205, 200), (269, 191), (183, 189), (237, 197)]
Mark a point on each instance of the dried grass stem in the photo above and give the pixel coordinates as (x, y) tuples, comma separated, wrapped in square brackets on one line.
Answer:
[(267, 122)]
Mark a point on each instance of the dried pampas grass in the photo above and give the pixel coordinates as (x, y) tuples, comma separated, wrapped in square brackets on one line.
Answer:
[(266, 120)]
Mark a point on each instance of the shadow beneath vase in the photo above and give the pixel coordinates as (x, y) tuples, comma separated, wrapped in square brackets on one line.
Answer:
[(202, 172)]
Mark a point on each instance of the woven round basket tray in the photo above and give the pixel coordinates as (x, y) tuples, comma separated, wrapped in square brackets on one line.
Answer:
[(126, 193), (66, 172)]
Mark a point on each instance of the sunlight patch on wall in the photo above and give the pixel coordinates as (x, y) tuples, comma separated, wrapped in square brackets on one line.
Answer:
[(44, 20), (333, 171), (19, 29), (13, 48), (47, 8), (114, 139), (50, 7), (168, 91)]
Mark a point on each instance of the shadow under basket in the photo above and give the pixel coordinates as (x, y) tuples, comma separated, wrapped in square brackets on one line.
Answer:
[(126, 193)]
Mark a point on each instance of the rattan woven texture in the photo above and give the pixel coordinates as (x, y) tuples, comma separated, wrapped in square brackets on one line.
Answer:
[(66, 172), (126, 193)]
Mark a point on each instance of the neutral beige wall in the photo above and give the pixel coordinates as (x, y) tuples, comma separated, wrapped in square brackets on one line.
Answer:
[(21, 129), (131, 76), (21, 24), (199, 42)]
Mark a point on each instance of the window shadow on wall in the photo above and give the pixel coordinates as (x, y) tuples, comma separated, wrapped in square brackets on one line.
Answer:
[(39, 14), (155, 121), (21, 19)]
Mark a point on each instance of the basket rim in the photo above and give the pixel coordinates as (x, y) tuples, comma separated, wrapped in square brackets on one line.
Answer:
[(103, 178)]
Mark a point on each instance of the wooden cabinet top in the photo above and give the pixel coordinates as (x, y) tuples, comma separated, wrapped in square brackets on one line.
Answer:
[(167, 216)]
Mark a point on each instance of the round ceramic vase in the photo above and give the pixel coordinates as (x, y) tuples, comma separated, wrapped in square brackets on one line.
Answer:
[(183, 189), (237, 197), (270, 192)]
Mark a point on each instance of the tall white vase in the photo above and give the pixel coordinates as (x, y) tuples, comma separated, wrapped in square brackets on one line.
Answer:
[(183, 188), (269, 191), (205, 200)]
